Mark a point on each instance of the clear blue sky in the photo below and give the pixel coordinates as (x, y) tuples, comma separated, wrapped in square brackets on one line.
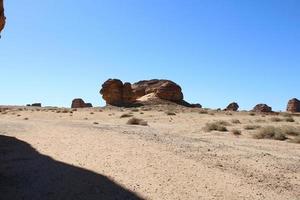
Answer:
[(219, 51)]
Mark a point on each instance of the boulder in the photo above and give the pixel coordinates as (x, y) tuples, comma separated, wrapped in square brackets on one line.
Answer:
[(164, 89), (2, 16), (88, 105), (232, 107), (293, 105), (196, 105), (262, 108), (36, 105), (78, 103), (115, 93)]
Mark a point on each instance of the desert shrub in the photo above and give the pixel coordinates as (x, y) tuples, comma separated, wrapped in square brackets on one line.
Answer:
[(290, 130), (203, 112), (58, 111), (65, 111), (252, 114), (296, 140), (170, 113), (285, 114), (270, 132), (91, 113), (95, 123), (146, 109), (26, 118), (215, 126), (251, 127), (260, 120), (85, 118), (235, 121), (275, 119), (126, 115), (289, 119), (135, 110), (137, 121), (236, 132)]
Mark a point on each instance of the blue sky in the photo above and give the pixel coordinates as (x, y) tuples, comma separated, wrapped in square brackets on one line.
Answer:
[(219, 51)]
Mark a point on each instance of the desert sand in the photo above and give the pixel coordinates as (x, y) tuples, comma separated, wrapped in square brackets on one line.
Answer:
[(52, 153)]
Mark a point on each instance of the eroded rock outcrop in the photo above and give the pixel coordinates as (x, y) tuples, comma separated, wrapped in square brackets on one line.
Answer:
[(232, 107), (115, 93), (262, 108), (79, 103), (2, 16), (293, 105)]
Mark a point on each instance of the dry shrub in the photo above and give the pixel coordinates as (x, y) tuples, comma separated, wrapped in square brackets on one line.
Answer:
[(289, 119), (95, 123), (126, 115), (236, 132), (252, 114), (270, 132), (137, 121), (290, 130), (170, 113), (296, 140), (235, 121), (65, 111), (251, 127), (275, 119), (260, 120), (203, 112), (216, 126), (26, 118), (135, 110), (91, 113)]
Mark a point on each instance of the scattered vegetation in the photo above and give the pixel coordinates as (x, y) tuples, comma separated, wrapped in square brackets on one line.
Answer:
[(290, 130), (236, 132), (270, 132), (137, 121), (289, 119), (296, 140), (170, 113), (235, 121), (203, 112), (260, 120), (275, 119), (126, 115), (216, 126), (251, 127)]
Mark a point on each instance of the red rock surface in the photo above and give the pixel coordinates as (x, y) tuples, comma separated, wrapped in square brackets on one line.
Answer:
[(232, 107), (114, 92), (79, 103), (293, 105), (262, 108), (2, 16)]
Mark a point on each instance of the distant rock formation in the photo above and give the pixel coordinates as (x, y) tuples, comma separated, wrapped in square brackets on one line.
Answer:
[(115, 93), (232, 107), (196, 105), (34, 105), (262, 108), (79, 103), (2, 16), (293, 105)]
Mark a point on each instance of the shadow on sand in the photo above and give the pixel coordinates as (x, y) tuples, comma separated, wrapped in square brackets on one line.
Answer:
[(25, 174)]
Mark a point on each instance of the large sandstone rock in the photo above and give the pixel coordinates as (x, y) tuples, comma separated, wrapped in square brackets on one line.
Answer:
[(2, 16), (164, 89), (79, 103), (232, 107), (293, 105), (262, 108), (115, 93)]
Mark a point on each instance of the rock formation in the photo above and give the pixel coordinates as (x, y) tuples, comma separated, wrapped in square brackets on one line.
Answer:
[(115, 93), (293, 105), (34, 105), (79, 103), (232, 107), (2, 16), (262, 108)]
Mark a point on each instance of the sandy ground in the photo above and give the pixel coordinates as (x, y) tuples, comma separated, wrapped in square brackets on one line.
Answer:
[(56, 155)]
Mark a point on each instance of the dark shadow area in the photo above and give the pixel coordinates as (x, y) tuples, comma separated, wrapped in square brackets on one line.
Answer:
[(28, 175)]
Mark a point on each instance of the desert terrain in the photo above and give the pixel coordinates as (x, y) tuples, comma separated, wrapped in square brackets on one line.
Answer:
[(177, 153)]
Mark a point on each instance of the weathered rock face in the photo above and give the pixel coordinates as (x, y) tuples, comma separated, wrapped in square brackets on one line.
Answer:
[(293, 105), (79, 103), (262, 108), (2, 16), (232, 107), (114, 92), (164, 89)]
